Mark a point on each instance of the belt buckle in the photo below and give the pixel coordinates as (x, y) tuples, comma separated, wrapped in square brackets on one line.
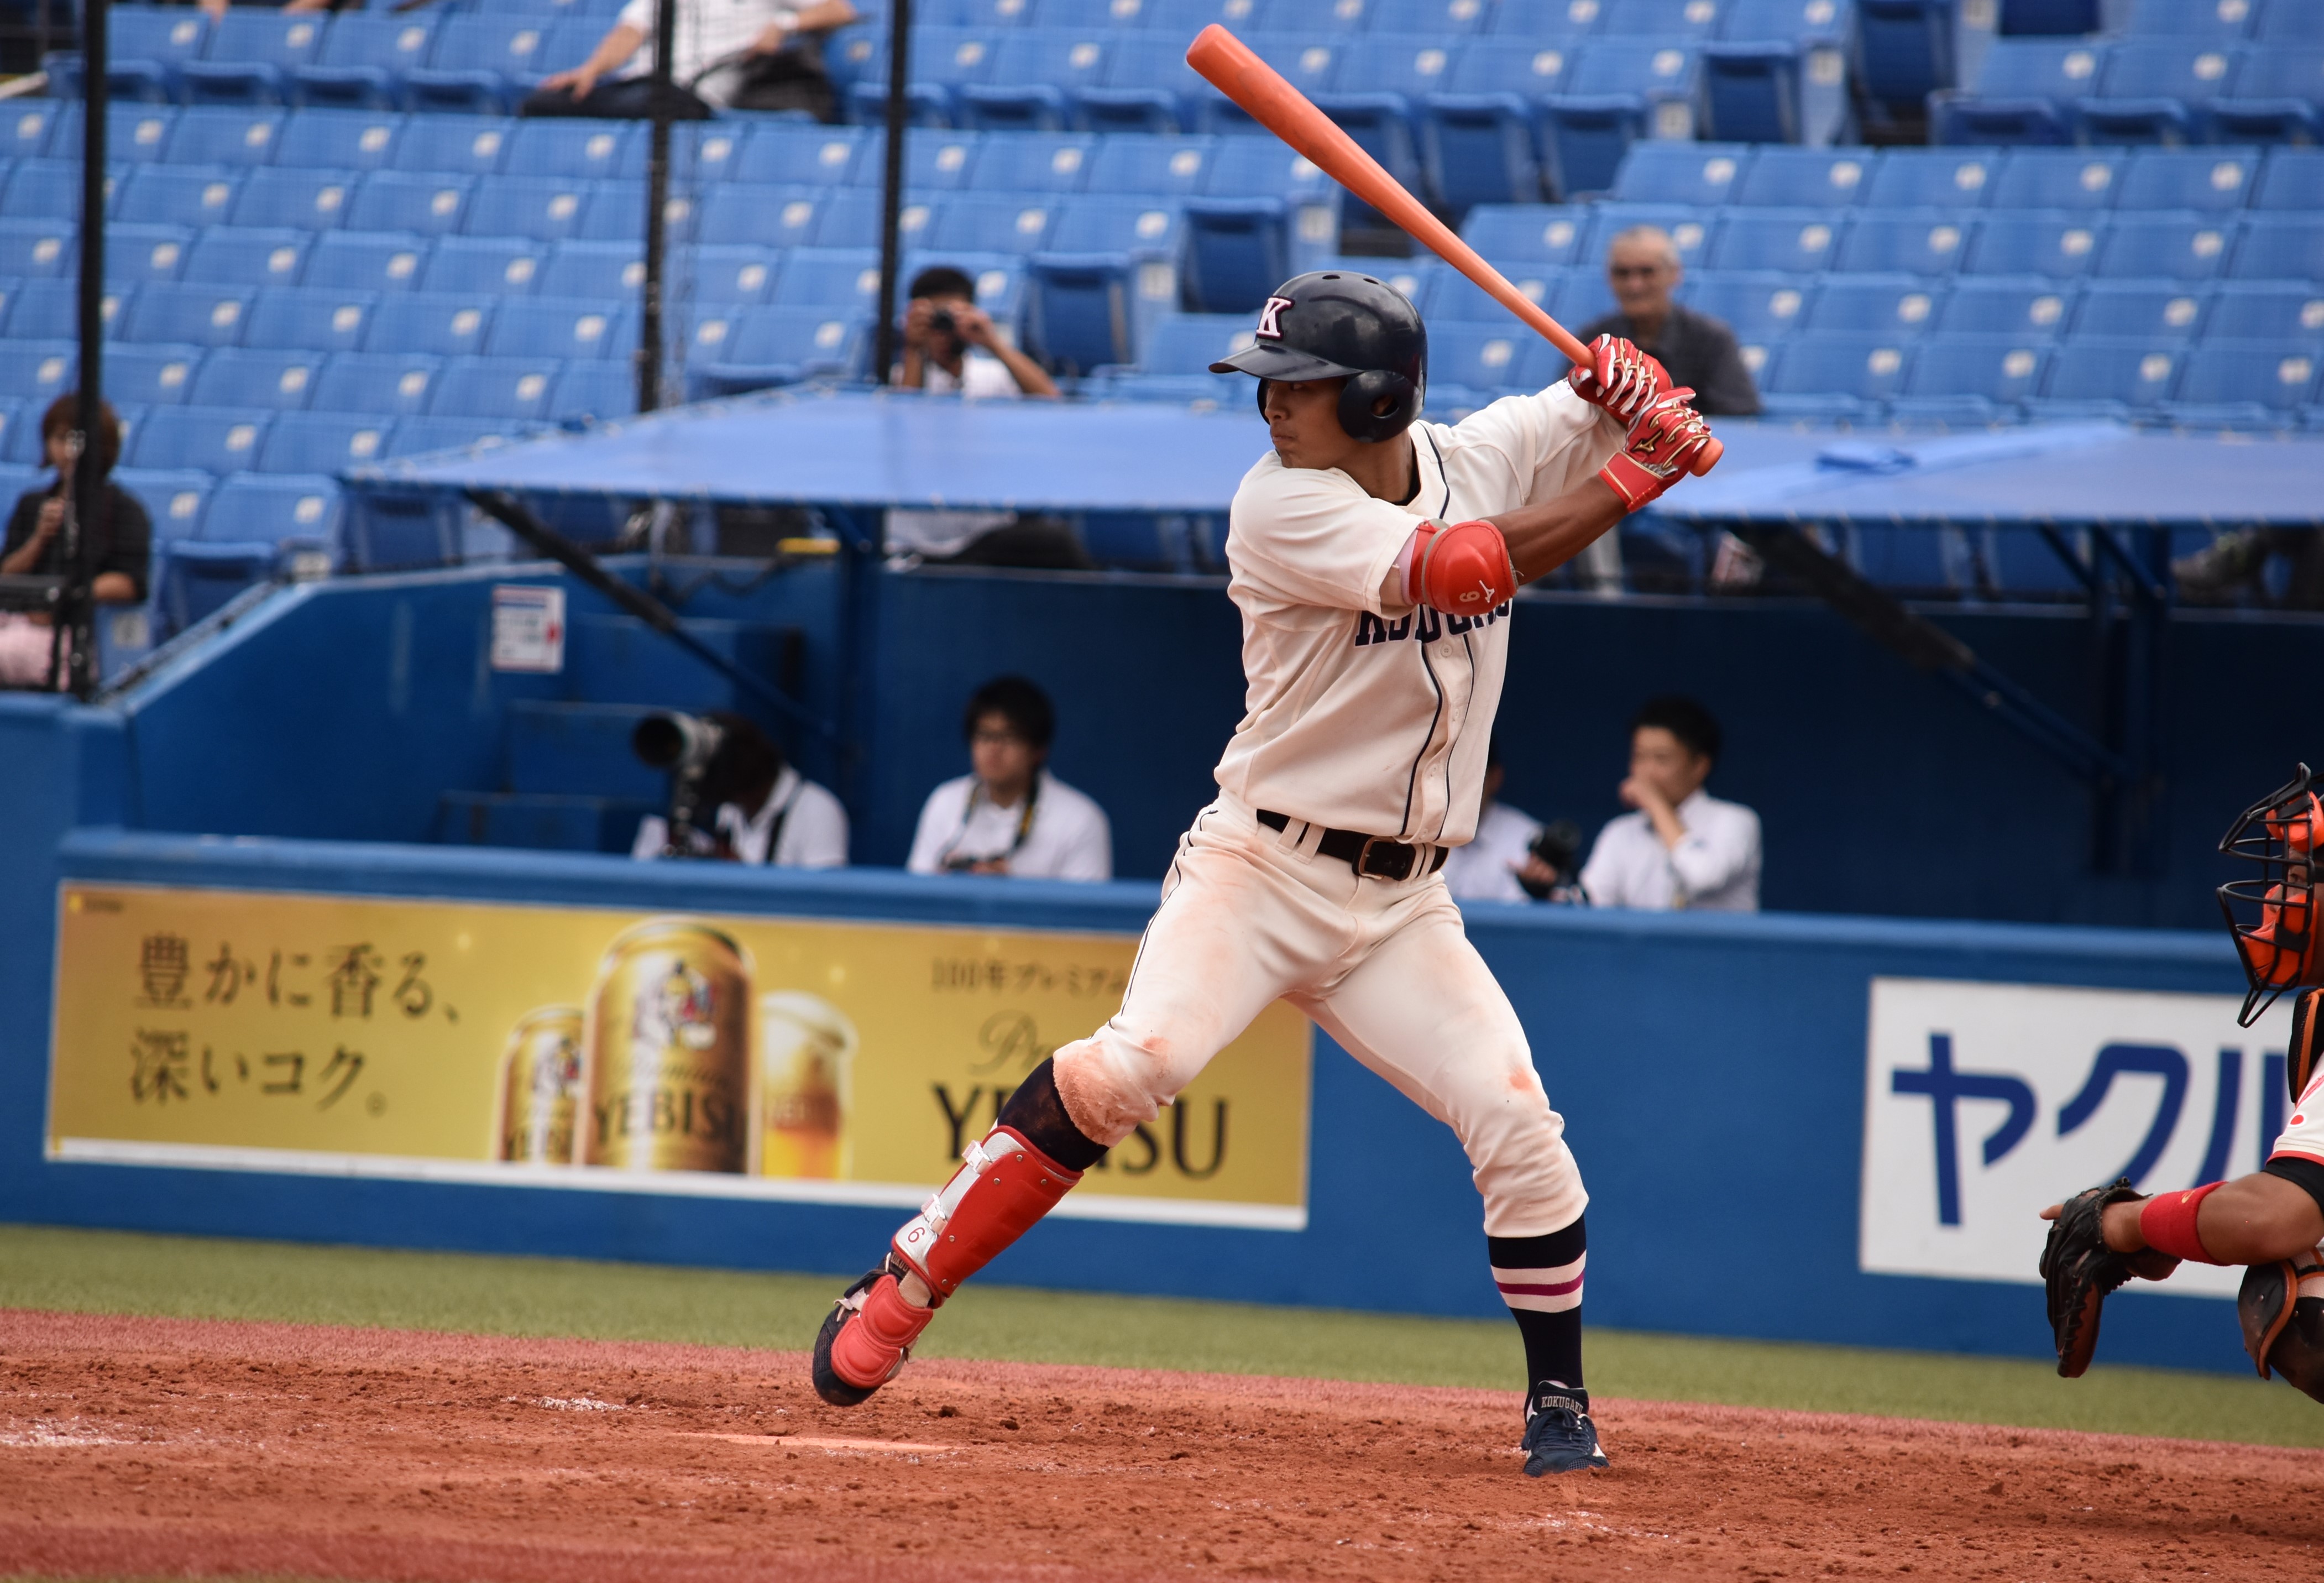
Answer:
[(1364, 868)]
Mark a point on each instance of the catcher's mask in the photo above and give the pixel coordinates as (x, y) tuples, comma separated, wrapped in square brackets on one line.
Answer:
[(2273, 917)]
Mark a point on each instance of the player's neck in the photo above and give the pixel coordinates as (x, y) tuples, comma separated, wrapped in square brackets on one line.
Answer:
[(1008, 794), (1388, 471)]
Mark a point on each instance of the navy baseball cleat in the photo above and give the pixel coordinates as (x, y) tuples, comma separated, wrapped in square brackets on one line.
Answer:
[(1559, 1437)]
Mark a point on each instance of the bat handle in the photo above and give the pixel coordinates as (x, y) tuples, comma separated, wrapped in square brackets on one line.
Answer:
[(1707, 458)]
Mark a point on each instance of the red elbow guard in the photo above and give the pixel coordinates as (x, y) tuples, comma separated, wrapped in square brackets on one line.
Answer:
[(2167, 1222), (1461, 570)]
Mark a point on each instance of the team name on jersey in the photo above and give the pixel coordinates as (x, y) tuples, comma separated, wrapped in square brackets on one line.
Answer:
[(1421, 624)]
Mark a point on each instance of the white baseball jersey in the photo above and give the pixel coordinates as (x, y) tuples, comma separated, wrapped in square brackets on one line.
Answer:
[(1360, 719)]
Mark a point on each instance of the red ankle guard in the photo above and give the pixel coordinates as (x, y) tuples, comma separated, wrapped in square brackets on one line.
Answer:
[(2168, 1223), (1004, 1185)]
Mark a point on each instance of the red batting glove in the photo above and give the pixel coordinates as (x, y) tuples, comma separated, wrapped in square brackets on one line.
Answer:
[(1662, 445), (1620, 379)]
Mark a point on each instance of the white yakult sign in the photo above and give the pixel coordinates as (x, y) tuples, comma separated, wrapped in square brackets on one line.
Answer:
[(1985, 1102)]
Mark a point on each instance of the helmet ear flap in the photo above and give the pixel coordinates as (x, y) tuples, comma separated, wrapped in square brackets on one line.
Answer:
[(1364, 393)]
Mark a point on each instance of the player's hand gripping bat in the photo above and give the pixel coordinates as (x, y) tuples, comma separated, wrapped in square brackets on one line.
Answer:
[(1230, 67)]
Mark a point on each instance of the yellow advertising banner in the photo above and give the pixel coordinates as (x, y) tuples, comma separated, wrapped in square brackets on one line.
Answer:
[(567, 1046)]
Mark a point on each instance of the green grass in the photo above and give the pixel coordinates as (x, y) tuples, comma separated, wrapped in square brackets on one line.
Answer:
[(200, 1278)]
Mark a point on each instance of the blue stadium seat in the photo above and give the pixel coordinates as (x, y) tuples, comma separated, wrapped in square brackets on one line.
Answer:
[(1318, 16), (30, 249), (616, 212), (2219, 20), (608, 270), (400, 200), (367, 261), (440, 325), (1513, 71), (1904, 50), (727, 276), (942, 60), (1440, 18), (12, 422), (1189, 343), (1997, 369), (934, 160), (2265, 374), (2278, 97), (46, 189), (1442, 292), (783, 216), (1238, 250), (217, 439), (2279, 312), (174, 499), (190, 315), (250, 56), (149, 375), (1924, 242), (1188, 17), (1690, 230), (454, 145), (2025, 308), (340, 140), (2040, 69), (1131, 162), (836, 278), (423, 436), (1690, 21), (1804, 241), (165, 38), (571, 150), (1843, 372), (1489, 356), (2206, 180), (1894, 307), (484, 266), (26, 125), (1035, 161), (848, 217), (2287, 21), (400, 382), (1761, 92), (782, 346), (50, 309), (323, 443), (313, 199), (707, 150), (978, 223), (2281, 247), (483, 63), (2159, 311), (225, 135), (2074, 178), (1380, 84), (510, 389), (1706, 174), (363, 61), (280, 380), (135, 255), (38, 372), (799, 154), (177, 195), (230, 255), (1998, 123), (1081, 312), (2056, 244), (2187, 69), (283, 509), (2135, 373), (1109, 223), (1033, 77), (1947, 178), (1804, 178), (1758, 306), (2185, 247), (314, 319), (543, 209), (548, 326)]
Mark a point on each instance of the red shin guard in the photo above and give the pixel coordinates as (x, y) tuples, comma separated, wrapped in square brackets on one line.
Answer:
[(1004, 1185), (2167, 1222)]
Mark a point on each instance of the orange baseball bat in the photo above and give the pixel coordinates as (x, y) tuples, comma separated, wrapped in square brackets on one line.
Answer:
[(1232, 67)]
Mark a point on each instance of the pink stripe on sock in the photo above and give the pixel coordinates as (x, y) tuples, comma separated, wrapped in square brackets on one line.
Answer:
[(1560, 1290)]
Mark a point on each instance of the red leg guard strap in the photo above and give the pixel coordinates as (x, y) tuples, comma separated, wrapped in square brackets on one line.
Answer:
[(2168, 1223), (1003, 1187)]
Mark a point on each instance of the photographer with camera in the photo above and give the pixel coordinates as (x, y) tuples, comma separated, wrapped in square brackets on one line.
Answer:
[(1009, 815), (759, 809), (1683, 848), (1514, 857)]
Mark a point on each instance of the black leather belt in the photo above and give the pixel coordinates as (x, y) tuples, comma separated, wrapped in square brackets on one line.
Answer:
[(1373, 857)]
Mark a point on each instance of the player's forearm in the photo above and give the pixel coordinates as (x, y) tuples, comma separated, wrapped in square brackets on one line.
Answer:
[(1542, 538), (1031, 378), (617, 46)]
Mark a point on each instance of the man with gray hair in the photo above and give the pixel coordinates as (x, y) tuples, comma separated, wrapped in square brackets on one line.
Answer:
[(1642, 265)]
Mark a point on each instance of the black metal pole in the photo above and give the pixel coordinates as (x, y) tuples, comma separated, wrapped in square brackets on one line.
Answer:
[(892, 187), (75, 616), (649, 322)]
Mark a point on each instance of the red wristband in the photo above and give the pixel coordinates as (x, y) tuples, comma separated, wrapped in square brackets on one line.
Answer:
[(2167, 1222)]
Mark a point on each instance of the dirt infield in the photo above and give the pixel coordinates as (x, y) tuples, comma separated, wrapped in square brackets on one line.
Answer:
[(183, 1447)]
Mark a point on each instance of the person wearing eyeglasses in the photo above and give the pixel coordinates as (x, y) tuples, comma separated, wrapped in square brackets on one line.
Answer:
[(1009, 815), (1643, 267)]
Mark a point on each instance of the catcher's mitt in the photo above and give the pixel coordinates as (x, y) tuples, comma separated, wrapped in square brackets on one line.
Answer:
[(2079, 1269)]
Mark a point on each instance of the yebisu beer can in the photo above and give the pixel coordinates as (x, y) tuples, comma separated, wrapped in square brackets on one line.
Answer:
[(540, 1080), (667, 1081), (807, 1048)]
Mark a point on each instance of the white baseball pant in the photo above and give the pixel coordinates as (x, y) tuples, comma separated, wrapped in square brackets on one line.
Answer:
[(1250, 914)]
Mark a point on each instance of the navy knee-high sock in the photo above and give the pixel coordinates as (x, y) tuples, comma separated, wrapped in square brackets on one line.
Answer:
[(1540, 1278), (1037, 1111)]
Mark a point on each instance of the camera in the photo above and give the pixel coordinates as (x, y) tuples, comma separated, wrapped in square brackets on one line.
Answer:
[(685, 745), (941, 322), (1559, 849)]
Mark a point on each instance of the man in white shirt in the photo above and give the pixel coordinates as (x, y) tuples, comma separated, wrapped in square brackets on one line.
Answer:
[(1683, 848), (1488, 869), (751, 54), (767, 812), (1010, 815)]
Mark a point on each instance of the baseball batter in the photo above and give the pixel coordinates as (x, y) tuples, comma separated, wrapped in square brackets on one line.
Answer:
[(1374, 560), (2271, 1220)]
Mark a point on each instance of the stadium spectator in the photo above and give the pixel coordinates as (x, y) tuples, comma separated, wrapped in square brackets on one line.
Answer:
[(1010, 815), (1500, 857), (767, 812), (731, 54), (117, 542), (951, 347), (1643, 267), (2236, 565), (1683, 848)]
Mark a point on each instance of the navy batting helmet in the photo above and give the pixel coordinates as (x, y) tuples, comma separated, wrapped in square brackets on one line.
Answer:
[(1333, 324)]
